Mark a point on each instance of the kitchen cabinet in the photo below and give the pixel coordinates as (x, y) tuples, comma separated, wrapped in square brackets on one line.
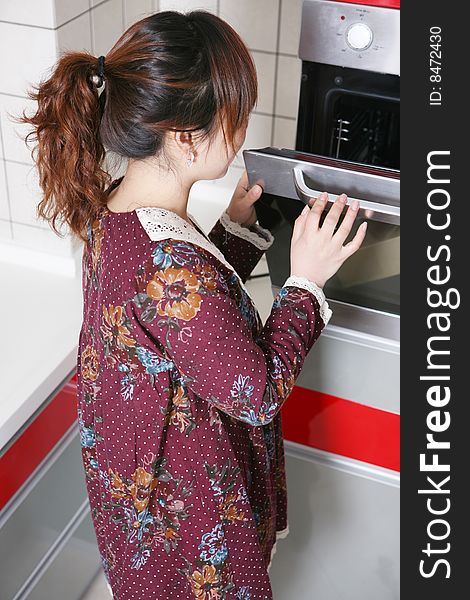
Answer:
[(47, 540)]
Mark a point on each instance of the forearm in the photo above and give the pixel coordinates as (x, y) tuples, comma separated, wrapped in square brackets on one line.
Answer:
[(242, 246)]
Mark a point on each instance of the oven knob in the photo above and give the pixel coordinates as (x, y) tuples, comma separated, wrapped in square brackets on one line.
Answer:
[(359, 36)]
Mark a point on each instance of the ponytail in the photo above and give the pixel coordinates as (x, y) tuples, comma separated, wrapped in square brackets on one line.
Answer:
[(69, 152)]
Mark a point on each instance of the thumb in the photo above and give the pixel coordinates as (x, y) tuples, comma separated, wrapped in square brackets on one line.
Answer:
[(256, 191)]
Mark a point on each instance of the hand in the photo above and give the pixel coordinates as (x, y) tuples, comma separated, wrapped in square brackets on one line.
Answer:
[(241, 208), (316, 252)]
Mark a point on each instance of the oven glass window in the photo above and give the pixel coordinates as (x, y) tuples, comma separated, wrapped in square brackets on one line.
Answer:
[(371, 276), (364, 130)]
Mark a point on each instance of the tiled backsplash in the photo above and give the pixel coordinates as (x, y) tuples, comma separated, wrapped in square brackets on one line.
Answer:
[(33, 32)]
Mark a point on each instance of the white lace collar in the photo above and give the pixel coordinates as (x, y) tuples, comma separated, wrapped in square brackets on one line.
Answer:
[(161, 223)]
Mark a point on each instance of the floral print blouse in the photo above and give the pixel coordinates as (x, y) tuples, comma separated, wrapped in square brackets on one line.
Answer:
[(180, 388)]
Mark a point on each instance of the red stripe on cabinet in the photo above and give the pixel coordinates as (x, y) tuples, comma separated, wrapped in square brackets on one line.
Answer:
[(37, 440), (342, 427)]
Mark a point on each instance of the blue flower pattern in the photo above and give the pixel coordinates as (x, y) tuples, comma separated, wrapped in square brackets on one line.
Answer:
[(164, 254), (244, 593), (280, 295), (213, 547)]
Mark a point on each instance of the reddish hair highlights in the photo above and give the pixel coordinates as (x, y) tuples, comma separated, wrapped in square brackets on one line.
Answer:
[(169, 71)]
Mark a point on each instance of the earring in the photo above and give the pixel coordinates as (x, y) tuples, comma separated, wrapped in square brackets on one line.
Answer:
[(189, 161)]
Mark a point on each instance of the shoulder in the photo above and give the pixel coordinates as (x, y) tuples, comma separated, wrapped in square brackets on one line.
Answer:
[(178, 252), (177, 242)]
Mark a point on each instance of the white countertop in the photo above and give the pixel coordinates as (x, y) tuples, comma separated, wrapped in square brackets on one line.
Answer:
[(42, 316)]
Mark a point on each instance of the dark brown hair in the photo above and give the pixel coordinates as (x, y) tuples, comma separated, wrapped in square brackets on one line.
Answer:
[(169, 71)]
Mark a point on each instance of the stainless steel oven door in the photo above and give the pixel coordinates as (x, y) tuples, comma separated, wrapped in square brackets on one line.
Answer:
[(365, 292)]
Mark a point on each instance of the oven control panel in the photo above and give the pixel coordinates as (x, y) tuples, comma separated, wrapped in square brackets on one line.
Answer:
[(351, 35)]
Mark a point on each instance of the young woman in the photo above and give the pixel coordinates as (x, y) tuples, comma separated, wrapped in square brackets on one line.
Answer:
[(180, 385)]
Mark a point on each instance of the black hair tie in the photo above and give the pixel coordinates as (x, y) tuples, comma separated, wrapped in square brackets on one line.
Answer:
[(100, 70)]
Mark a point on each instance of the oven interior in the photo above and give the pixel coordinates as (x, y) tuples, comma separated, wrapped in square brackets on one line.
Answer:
[(364, 130), (349, 114)]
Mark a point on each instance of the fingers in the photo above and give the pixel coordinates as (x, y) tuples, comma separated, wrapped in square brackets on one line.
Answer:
[(299, 224), (347, 222), (254, 193), (356, 242), (331, 219), (306, 215), (313, 217), (243, 190), (243, 185)]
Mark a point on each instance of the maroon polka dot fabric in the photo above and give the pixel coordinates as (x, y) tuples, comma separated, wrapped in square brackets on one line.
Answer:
[(179, 395)]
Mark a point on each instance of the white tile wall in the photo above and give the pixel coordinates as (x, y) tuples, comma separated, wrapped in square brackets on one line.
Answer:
[(107, 22), (265, 63), (68, 10), (134, 10), (75, 34), (187, 5), (4, 206), (287, 96), (37, 13), (15, 148), (284, 132), (270, 28), (289, 27), (31, 52), (24, 192), (255, 22)]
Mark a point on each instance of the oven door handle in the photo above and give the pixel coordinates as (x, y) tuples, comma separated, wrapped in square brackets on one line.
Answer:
[(375, 211)]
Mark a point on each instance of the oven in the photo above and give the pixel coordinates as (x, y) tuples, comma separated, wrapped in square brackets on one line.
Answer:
[(341, 422)]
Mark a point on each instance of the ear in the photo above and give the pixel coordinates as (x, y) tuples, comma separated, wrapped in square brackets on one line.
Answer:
[(183, 139)]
